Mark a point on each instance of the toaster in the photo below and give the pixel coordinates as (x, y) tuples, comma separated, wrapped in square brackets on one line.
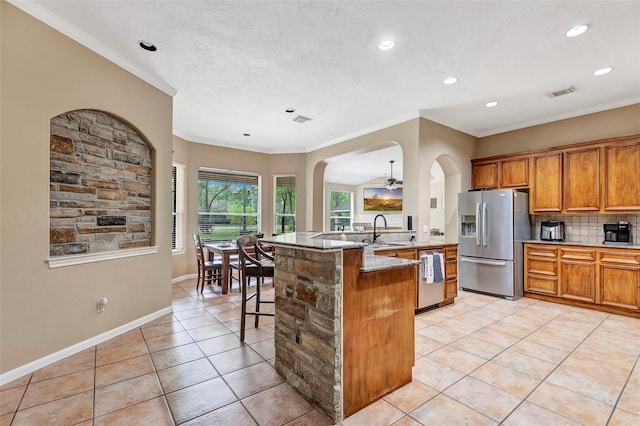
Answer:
[(552, 231)]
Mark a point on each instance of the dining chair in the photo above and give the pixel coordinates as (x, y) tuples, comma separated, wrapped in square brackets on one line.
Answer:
[(208, 270), (253, 262)]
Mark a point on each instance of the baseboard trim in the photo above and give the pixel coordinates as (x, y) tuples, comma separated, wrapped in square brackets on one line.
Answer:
[(57, 356), (182, 278)]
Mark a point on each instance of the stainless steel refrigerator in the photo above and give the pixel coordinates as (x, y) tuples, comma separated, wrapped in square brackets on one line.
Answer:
[(492, 228)]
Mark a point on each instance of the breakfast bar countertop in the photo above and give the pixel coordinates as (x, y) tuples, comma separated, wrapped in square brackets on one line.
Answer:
[(371, 262)]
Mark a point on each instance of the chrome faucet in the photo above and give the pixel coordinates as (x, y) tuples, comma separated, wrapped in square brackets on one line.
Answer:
[(375, 234)]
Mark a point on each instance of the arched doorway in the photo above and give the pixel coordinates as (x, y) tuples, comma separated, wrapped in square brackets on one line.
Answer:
[(348, 175)]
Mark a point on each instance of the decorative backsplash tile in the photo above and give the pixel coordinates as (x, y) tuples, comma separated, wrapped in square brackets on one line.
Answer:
[(587, 228)]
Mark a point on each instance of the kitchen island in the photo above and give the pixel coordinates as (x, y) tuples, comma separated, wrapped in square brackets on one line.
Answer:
[(344, 321)]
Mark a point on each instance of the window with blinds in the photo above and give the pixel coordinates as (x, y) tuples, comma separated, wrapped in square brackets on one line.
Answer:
[(177, 207), (228, 204), (285, 204)]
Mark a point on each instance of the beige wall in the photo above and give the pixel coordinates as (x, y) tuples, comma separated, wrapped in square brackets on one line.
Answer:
[(46, 310), (196, 155), (454, 150), (601, 125)]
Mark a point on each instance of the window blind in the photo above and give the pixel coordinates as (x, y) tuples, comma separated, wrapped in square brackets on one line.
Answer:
[(227, 176), (286, 181)]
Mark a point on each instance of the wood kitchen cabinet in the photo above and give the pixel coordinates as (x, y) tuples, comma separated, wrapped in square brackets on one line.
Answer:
[(622, 176), (602, 278), (450, 275), (591, 177), (541, 269), (408, 253), (620, 278), (546, 183), (484, 175), (508, 172), (578, 272), (514, 172), (582, 180)]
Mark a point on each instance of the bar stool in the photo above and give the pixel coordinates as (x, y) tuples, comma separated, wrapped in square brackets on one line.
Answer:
[(258, 264)]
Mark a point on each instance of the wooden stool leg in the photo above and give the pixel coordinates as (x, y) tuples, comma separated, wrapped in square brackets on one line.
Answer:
[(257, 300), (243, 285), (198, 280)]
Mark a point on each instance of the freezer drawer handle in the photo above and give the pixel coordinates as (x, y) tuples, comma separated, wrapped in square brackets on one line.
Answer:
[(484, 262)]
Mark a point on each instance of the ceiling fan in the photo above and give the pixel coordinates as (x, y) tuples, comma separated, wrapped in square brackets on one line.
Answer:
[(392, 183)]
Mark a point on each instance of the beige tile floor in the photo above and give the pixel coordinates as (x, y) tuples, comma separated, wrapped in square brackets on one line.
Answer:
[(481, 361)]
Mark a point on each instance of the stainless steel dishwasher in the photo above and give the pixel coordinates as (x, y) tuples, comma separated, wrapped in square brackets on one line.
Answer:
[(431, 282)]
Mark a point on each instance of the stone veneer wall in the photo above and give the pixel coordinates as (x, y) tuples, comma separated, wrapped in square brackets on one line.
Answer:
[(308, 319), (100, 185)]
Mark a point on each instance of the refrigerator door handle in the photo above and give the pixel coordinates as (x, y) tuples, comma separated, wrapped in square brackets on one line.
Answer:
[(483, 262), (484, 224), (478, 225)]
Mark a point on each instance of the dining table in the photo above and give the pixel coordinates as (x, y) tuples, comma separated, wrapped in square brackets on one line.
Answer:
[(225, 250)]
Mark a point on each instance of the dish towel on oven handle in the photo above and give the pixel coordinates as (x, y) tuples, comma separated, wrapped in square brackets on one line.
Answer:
[(438, 277)]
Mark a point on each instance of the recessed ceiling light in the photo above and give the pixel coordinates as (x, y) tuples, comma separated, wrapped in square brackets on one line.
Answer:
[(450, 80), (148, 46), (491, 104), (289, 110), (576, 31), (246, 134), (386, 45), (603, 71)]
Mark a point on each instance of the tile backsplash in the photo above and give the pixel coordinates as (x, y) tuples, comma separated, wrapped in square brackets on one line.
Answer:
[(587, 228)]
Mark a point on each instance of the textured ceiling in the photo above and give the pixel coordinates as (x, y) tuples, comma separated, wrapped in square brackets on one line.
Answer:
[(235, 66)]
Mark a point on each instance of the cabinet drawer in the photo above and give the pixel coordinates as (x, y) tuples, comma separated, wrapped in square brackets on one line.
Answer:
[(541, 251), (451, 254), (578, 254), (542, 267), (451, 270), (542, 285), (620, 257), (407, 254)]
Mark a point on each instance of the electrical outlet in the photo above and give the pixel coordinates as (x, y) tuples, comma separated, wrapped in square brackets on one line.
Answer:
[(425, 228), (102, 304)]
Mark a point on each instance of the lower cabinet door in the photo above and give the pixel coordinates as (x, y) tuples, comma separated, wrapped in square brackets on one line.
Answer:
[(620, 287), (578, 281)]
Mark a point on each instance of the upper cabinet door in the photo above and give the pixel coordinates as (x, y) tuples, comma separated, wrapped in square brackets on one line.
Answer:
[(484, 176), (582, 180), (622, 176), (546, 183), (514, 172)]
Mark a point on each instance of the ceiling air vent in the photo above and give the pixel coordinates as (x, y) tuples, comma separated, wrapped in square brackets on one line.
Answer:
[(562, 92), (301, 119)]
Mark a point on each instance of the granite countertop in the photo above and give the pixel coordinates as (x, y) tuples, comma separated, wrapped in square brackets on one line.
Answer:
[(308, 240), (371, 262), (577, 243)]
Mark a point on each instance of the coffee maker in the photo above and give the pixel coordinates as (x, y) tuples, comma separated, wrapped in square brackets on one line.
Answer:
[(619, 233)]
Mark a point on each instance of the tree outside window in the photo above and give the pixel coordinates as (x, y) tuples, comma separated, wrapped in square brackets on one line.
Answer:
[(340, 210), (228, 204), (285, 205)]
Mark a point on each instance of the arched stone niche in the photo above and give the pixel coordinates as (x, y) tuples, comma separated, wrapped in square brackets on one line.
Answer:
[(100, 185)]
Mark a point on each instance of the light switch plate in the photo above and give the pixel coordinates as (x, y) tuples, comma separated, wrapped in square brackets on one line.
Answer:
[(425, 228)]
